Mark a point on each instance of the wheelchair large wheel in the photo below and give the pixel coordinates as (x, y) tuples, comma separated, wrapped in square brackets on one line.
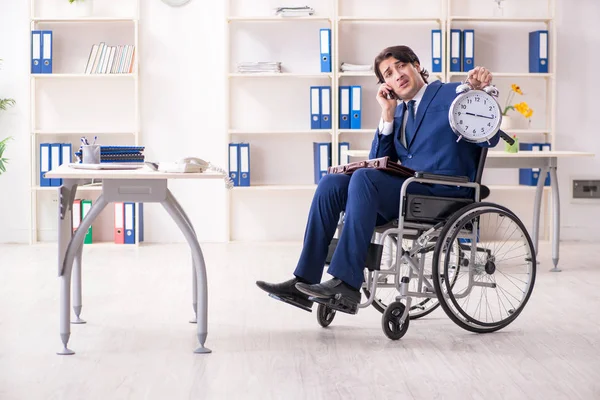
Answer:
[(497, 267)]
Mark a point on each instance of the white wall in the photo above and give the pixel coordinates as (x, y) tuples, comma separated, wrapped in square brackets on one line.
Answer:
[(182, 104), (182, 80)]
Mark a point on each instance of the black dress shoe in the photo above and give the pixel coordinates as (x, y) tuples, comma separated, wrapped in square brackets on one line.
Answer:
[(288, 293), (335, 294), (330, 289)]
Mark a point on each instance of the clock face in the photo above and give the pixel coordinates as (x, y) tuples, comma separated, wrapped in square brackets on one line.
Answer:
[(475, 115)]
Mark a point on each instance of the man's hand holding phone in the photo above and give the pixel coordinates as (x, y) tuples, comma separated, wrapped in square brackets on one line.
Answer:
[(387, 99)]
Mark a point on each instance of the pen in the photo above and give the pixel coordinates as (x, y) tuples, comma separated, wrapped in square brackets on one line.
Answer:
[(95, 137)]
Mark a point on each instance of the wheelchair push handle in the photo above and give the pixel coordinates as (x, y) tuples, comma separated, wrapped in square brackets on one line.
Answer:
[(507, 138)]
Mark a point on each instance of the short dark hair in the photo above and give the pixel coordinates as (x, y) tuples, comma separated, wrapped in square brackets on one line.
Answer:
[(400, 53)]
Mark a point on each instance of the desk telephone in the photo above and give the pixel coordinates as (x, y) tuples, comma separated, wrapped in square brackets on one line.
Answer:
[(190, 165)]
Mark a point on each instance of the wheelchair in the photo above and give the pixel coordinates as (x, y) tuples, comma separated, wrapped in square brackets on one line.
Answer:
[(474, 259)]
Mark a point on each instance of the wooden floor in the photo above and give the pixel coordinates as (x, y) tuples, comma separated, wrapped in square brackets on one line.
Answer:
[(138, 343)]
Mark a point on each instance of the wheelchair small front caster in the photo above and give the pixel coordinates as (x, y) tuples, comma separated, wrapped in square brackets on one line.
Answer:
[(390, 321), (325, 315)]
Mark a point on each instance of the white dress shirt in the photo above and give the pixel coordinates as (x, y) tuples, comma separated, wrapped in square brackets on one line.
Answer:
[(385, 128)]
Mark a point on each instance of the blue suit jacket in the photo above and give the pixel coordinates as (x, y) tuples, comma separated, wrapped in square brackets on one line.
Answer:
[(433, 147)]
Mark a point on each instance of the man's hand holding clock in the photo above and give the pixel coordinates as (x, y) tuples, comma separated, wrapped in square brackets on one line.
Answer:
[(479, 77)]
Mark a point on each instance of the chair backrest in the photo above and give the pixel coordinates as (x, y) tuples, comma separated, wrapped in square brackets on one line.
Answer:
[(481, 164)]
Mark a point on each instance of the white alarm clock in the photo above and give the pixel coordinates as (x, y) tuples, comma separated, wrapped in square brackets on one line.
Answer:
[(475, 115)]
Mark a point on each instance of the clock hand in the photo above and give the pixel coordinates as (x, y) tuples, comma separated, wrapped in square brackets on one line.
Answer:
[(477, 115)]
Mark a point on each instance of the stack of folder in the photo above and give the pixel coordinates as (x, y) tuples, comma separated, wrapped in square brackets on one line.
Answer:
[(261, 66), (125, 217), (41, 52), (239, 163), (322, 157), (347, 67), (350, 107), (462, 50), (294, 11), (52, 155), (119, 154)]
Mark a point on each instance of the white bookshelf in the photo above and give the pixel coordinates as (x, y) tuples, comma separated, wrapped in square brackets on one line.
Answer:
[(113, 99), (356, 28)]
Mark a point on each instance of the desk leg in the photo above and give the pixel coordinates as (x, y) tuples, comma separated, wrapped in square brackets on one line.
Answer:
[(555, 217), (66, 267), (202, 300), (537, 205), (77, 303), (180, 210)]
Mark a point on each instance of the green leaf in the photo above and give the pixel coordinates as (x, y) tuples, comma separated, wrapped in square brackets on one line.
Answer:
[(5, 103)]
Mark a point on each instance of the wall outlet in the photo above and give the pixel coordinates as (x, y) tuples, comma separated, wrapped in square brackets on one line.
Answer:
[(586, 189)]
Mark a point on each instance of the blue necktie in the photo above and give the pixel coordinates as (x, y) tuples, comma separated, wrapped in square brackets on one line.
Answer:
[(409, 130)]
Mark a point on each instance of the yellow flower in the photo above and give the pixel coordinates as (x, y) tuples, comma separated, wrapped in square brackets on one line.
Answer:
[(516, 89), (524, 109)]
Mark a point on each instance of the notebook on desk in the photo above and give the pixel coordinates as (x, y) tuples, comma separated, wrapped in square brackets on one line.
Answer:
[(105, 166)]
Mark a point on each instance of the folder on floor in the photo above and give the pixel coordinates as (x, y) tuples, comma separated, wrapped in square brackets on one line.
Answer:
[(119, 223), (325, 44), (468, 49), (55, 152), (344, 107), (325, 95), (343, 157), (455, 50), (45, 164), (356, 105), (86, 206), (234, 162), (47, 52), (244, 164), (76, 214), (315, 107), (322, 159), (129, 212), (36, 52), (538, 51), (436, 50)]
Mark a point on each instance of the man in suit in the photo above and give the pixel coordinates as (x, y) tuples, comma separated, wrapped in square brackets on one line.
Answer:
[(414, 130)]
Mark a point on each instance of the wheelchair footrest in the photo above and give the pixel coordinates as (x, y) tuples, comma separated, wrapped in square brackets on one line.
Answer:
[(373, 255), (290, 301), (338, 303)]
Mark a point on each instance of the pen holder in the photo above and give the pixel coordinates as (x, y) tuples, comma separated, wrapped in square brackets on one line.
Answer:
[(514, 148), (90, 154)]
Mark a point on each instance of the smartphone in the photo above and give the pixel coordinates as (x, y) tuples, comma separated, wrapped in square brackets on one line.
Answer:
[(391, 95)]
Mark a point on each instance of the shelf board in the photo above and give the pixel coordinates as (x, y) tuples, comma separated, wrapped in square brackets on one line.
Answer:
[(272, 188), (83, 132), (84, 188), (82, 20), (508, 74), (388, 19), (279, 132), (498, 19), (82, 76), (275, 18), (279, 75)]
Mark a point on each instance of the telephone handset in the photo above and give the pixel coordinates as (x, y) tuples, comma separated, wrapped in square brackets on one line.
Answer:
[(192, 165)]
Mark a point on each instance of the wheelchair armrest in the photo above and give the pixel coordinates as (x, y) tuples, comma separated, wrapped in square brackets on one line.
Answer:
[(438, 177)]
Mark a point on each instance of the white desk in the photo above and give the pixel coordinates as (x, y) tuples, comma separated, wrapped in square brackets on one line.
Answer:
[(143, 186), (547, 161)]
